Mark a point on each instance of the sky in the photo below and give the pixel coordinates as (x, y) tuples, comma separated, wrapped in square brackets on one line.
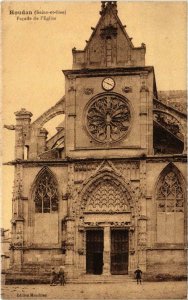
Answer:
[(34, 53)]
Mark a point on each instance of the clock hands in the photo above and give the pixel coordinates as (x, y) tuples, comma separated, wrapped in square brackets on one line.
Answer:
[(108, 83)]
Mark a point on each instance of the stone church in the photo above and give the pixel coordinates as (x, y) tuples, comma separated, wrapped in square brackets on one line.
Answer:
[(107, 192)]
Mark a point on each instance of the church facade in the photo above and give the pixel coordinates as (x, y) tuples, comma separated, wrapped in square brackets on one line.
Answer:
[(107, 192)]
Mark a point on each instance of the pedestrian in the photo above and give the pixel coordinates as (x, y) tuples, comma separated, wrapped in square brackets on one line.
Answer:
[(53, 278), (138, 275), (62, 275)]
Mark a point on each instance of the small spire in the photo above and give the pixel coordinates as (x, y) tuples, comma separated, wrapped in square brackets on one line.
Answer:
[(105, 4)]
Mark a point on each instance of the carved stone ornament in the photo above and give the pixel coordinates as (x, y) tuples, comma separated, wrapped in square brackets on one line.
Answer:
[(16, 246), (81, 251), (169, 122), (127, 89), (71, 89), (132, 251), (107, 197), (88, 91), (144, 87), (108, 118), (10, 127), (69, 246), (142, 238)]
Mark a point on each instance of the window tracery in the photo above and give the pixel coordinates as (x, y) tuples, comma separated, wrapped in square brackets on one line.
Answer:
[(169, 122), (108, 118), (46, 194), (107, 197), (170, 194)]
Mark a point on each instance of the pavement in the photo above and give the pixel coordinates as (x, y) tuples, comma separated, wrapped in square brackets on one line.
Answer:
[(130, 290)]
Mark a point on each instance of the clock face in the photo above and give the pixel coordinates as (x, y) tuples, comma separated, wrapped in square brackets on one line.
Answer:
[(108, 84)]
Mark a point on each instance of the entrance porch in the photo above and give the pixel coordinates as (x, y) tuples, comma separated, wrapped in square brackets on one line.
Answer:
[(107, 251)]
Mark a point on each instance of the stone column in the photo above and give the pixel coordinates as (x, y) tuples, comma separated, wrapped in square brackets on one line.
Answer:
[(106, 252), (69, 258), (142, 242), (132, 257), (81, 249), (17, 244), (33, 147), (17, 238), (17, 259), (70, 113), (142, 218), (22, 131), (42, 140), (146, 115)]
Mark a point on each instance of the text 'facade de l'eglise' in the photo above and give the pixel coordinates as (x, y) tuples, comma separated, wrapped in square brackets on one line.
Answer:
[(107, 192)]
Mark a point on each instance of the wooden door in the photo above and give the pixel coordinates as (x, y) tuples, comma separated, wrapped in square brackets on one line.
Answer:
[(94, 251), (119, 251)]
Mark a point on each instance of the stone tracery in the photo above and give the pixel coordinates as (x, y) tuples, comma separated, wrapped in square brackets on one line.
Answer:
[(46, 194), (169, 122), (106, 194), (170, 196), (108, 118), (106, 198)]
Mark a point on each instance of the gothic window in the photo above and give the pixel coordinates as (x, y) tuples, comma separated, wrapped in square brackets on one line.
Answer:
[(170, 194), (108, 118), (170, 208), (46, 194)]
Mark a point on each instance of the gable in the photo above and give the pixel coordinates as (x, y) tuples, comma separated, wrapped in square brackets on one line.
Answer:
[(109, 44)]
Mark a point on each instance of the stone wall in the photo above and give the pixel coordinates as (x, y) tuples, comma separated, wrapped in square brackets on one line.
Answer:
[(166, 263)]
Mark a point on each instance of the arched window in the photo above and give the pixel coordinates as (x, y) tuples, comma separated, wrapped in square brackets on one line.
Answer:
[(170, 207), (170, 194), (46, 193)]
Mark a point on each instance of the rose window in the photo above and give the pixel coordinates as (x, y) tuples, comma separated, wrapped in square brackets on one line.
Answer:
[(108, 118)]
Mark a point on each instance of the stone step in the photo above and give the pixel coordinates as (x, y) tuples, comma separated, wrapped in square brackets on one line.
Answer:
[(36, 269), (102, 279), (44, 277), (22, 278)]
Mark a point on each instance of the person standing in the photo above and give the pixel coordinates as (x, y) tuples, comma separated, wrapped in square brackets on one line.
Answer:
[(62, 275), (138, 274), (53, 277)]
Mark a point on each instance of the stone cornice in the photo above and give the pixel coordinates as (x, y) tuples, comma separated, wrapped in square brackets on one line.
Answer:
[(161, 247), (148, 158), (109, 71)]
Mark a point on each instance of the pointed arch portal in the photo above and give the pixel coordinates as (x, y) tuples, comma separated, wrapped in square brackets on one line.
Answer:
[(106, 212)]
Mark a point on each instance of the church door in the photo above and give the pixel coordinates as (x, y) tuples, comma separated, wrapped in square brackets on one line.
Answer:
[(94, 251), (119, 252)]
